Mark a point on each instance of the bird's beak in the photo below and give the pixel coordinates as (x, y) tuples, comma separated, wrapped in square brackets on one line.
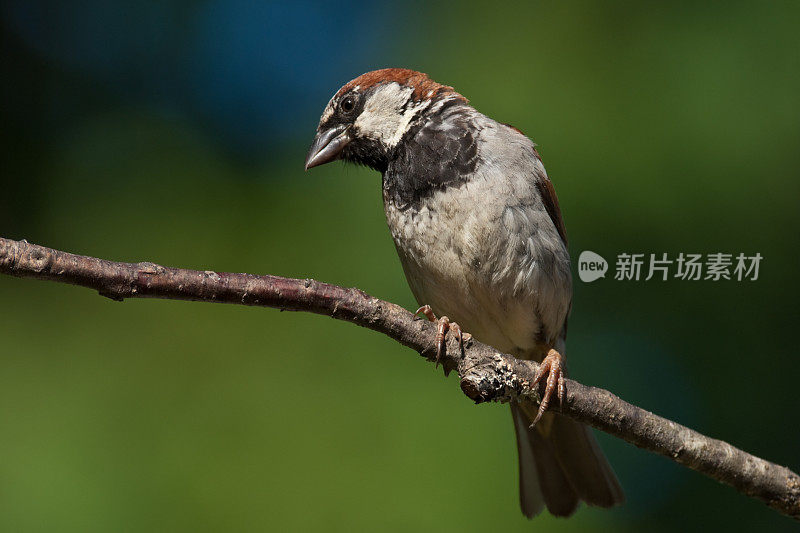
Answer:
[(328, 145)]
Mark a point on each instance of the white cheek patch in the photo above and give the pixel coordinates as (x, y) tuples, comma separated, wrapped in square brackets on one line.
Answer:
[(382, 118)]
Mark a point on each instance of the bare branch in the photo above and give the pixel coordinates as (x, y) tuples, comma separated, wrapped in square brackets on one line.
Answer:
[(486, 375)]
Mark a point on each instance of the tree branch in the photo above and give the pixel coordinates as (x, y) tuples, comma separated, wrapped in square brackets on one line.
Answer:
[(485, 374)]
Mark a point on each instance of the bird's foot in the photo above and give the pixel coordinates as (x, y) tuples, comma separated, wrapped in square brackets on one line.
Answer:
[(444, 326), (551, 366)]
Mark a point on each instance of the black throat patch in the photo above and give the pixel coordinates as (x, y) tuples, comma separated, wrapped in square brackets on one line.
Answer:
[(368, 152), (438, 152)]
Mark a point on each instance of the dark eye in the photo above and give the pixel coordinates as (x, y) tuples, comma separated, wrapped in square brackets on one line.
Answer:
[(348, 104)]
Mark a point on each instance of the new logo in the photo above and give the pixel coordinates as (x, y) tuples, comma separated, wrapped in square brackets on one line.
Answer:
[(591, 266)]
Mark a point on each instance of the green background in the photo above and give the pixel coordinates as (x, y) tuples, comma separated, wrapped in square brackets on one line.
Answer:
[(668, 127)]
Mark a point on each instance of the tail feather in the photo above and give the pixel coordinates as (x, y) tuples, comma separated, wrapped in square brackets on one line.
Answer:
[(584, 463), (560, 464), (530, 495)]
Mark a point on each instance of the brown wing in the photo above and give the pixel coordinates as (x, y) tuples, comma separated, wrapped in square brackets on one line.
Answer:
[(550, 200), (548, 193)]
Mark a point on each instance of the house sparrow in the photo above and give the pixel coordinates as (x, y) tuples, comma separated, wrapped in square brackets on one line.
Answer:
[(480, 236)]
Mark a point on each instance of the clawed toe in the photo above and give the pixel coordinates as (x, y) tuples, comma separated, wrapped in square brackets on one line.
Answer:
[(427, 312), (552, 366), (441, 337), (445, 326)]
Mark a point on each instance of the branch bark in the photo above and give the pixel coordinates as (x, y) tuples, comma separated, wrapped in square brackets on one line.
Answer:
[(485, 374)]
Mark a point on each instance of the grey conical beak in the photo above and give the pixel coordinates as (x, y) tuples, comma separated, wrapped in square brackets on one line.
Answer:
[(327, 146)]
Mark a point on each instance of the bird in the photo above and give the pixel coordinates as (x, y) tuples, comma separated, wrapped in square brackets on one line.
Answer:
[(482, 242)]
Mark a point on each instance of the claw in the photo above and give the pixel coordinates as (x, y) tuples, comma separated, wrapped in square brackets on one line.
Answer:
[(445, 325), (551, 365), (427, 312), (441, 337)]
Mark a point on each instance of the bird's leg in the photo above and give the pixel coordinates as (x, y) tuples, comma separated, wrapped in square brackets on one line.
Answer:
[(444, 325), (551, 365)]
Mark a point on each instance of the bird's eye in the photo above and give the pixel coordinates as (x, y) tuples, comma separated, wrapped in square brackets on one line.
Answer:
[(348, 104)]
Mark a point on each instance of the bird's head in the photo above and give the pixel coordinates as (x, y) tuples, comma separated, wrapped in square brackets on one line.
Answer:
[(367, 118)]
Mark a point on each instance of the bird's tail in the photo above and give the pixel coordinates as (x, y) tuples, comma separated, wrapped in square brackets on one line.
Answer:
[(560, 465)]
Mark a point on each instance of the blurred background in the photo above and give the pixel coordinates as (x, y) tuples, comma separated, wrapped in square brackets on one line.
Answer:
[(175, 132)]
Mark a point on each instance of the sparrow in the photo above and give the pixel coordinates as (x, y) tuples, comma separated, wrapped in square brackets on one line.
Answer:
[(481, 239)]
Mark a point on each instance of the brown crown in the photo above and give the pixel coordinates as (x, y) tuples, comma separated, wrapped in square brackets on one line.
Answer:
[(423, 86)]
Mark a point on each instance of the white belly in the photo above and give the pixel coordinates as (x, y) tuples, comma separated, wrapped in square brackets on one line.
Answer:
[(494, 269)]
